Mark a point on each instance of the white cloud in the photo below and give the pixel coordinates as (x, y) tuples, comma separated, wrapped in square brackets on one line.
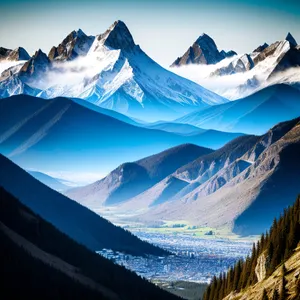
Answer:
[(235, 86)]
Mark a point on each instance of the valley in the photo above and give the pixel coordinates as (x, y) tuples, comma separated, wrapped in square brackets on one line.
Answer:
[(195, 259)]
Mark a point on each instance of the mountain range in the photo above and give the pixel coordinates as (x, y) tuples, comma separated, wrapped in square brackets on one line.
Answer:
[(53, 135), (180, 154), (111, 71), (131, 179), (241, 75), (238, 186), (254, 114)]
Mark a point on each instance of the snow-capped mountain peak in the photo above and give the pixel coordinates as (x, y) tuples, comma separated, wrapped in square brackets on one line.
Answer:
[(118, 36), (111, 71)]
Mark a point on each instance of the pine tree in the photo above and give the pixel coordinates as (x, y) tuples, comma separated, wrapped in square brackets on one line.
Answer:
[(283, 270), (297, 289), (283, 291), (265, 295), (279, 244), (237, 275), (275, 295)]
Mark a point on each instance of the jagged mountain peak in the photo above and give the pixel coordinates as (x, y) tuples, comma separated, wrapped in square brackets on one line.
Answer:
[(261, 48), (80, 32), (23, 54), (291, 39), (117, 75), (14, 55), (118, 36), (203, 51), (204, 37), (75, 44), (75, 34), (3, 51), (40, 55), (37, 63)]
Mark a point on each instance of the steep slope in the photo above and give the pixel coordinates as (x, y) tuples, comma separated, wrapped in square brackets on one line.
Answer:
[(53, 135), (76, 221), (192, 175), (77, 43), (52, 182), (36, 262), (243, 193), (131, 179), (272, 269), (203, 51), (253, 114), (14, 85), (269, 64), (111, 71), (273, 283)]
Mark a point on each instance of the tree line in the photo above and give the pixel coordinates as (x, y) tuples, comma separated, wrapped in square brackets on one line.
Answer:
[(277, 244)]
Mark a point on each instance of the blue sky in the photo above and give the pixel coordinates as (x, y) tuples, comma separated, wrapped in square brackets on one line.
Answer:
[(164, 29)]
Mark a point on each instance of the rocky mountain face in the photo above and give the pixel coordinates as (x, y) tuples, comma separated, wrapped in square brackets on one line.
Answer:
[(111, 71), (77, 43), (278, 102), (272, 285), (234, 184), (265, 66), (278, 56), (13, 55), (244, 74), (261, 48), (35, 67), (203, 51), (131, 179), (272, 269), (249, 186)]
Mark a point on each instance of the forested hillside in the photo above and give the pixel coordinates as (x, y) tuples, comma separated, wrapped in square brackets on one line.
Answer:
[(269, 255), (40, 262)]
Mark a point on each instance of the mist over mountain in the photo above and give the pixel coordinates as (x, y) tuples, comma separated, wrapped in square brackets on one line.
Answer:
[(254, 114), (55, 134), (243, 74), (111, 71)]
